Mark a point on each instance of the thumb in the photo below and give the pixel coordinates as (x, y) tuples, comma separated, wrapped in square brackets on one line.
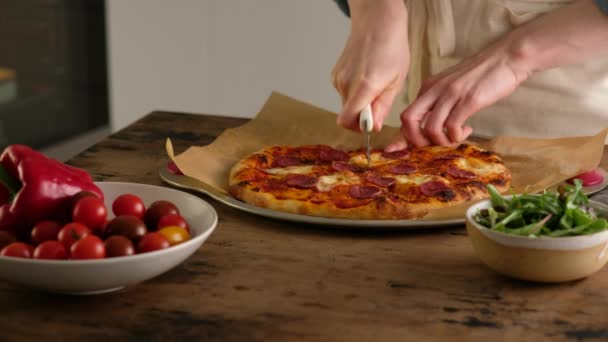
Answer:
[(381, 106), (362, 95), (399, 143)]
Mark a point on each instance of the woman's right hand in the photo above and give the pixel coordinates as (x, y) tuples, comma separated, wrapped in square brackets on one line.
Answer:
[(375, 60)]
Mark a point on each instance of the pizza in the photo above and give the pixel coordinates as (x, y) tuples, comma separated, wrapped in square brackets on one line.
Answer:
[(319, 180)]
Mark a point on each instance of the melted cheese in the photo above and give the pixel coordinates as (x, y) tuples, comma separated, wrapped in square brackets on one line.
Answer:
[(326, 183), (361, 160), (479, 166), (303, 169), (416, 179)]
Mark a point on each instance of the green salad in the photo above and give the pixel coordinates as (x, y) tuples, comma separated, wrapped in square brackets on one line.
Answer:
[(562, 213)]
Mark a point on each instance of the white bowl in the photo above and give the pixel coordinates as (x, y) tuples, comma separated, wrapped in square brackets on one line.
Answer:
[(106, 275), (541, 259)]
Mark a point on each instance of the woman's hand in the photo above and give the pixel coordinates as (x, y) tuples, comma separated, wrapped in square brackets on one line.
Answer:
[(446, 100), (374, 63), (572, 34)]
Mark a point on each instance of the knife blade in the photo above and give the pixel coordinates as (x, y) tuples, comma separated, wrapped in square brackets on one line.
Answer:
[(366, 124)]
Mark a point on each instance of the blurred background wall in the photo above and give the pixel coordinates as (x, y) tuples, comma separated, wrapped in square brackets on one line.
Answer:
[(220, 56)]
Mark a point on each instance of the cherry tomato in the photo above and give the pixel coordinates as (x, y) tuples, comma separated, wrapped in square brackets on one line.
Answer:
[(129, 204), (128, 226), (50, 250), (72, 232), (117, 246), (152, 242), (45, 231), (175, 235), (91, 212), (157, 210), (18, 250), (172, 220), (82, 194), (89, 247), (6, 238)]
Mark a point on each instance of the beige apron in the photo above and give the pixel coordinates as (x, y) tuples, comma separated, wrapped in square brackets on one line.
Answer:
[(566, 101)]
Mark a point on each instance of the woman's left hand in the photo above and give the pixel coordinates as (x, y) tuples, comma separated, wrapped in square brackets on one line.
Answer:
[(446, 100)]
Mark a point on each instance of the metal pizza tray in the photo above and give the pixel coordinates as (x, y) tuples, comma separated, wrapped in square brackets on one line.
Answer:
[(190, 183)]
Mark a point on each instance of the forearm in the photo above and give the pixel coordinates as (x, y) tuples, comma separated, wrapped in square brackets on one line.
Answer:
[(572, 34)]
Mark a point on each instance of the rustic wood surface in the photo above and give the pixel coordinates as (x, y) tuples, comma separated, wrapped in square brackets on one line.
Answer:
[(260, 279)]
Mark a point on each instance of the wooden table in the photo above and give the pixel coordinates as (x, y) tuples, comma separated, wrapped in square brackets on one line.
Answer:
[(259, 279)]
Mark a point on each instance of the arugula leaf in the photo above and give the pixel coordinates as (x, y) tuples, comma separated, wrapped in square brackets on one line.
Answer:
[(497, 200)]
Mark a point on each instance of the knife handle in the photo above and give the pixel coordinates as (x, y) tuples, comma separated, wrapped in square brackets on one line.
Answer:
[(366, 120)]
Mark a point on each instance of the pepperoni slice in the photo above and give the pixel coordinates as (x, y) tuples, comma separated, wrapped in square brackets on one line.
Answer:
[(363, 191), (329, 154), (275, 185), (433, 188), (460, 173), (402, 169), (381, 181), (448, 157), (344, 166), (396, 154), (301, 181), (284, 161)]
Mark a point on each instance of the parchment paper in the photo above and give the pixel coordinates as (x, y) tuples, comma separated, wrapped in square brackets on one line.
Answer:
[(536, 164)]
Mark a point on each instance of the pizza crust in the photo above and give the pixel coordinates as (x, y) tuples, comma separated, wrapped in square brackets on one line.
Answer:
[(377, 209)]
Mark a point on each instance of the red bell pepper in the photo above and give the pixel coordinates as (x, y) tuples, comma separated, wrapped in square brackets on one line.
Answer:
[(37, 188)]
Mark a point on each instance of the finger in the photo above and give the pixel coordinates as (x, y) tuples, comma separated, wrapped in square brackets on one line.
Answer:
[(460, 113), (398, 144), (334, 74), (363, 94), (413, 115), (382, 105), (340, 83), (333, 77), (466, 132), (412, 133), (435, 120), (339, 77)]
